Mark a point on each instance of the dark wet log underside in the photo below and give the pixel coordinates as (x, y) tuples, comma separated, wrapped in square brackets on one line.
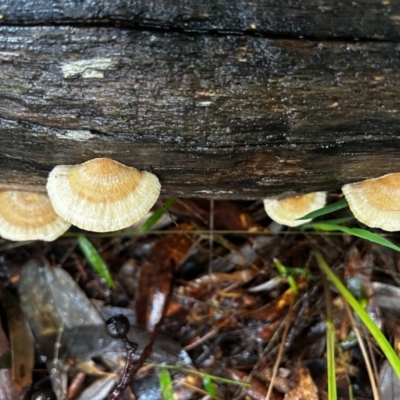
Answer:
[(221, 99)]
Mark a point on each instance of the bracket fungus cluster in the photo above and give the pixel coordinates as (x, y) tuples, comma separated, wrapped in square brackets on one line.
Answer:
[(288, 211), (100, 195), (103, 195), (376, 202)]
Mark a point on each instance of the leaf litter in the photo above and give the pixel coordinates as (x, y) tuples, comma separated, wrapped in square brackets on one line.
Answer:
[(222, 303)]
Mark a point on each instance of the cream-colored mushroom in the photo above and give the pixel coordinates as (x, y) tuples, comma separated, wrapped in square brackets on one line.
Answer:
[(376, 202), (29, 216), (102, 195), (288, 211)]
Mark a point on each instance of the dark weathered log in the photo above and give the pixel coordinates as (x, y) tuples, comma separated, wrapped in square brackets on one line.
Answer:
[(212, 115), (310, 18)]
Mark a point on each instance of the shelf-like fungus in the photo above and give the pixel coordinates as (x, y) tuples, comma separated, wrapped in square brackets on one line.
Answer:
[(376, 202), (287, 211), (29, 216), (102, 195)]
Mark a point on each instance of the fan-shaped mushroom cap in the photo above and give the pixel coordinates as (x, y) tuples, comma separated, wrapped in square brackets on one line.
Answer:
[(376, 202), (29, 216), (287, 211), (102, 195)]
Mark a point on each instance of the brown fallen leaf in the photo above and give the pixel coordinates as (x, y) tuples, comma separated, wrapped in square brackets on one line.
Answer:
[(302, 386), (241, 276), (22, 349), (156, 274), (271, 311), (227, 214), (9, 390), (257, 390)]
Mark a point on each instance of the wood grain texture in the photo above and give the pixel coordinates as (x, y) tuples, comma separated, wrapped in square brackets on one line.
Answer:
[(213, 115), (310, 18)]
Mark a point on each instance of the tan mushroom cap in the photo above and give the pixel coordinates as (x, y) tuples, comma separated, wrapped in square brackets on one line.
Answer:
[(287, 211), (29, 216), (102, 195), (376, 202)]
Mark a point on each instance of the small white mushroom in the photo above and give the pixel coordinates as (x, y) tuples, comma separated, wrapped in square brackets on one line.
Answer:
[(288, 211), (376, 202), (102, 195), (29, 216)]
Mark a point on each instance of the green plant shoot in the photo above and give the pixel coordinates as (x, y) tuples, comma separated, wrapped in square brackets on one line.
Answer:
[(95, 260)]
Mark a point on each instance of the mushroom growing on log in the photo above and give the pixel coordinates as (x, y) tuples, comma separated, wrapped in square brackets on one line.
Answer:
[(233, 99), (29, 216), (288, 211), (102, 195), (376, 202)]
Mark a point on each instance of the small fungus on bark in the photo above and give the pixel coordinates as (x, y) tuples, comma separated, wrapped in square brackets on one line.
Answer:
[(287, 211), (102, 195), (376, 202), (29, 216)]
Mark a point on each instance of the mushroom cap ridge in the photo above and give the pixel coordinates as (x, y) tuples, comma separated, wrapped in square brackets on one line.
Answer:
[(102, 195), (376, 202), (287, 211), (29, 216)]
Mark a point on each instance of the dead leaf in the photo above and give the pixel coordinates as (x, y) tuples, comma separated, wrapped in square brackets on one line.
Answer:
[(302, 386), (156, 274), (22, 348)]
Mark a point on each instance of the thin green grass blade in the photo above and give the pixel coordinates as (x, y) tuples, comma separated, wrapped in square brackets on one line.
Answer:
[(166, 384), (361, 233), (336, 221), (209, 385), (330, 359), (215, 378), (299, 271), (292, 283), (151, 221), (327, 209), (330, 342), (283, 272), (95, 260), (280, 268), (339, 221), (362, 314)]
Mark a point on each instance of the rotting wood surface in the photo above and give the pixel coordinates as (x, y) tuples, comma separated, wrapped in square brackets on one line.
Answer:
[(226, 106)]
